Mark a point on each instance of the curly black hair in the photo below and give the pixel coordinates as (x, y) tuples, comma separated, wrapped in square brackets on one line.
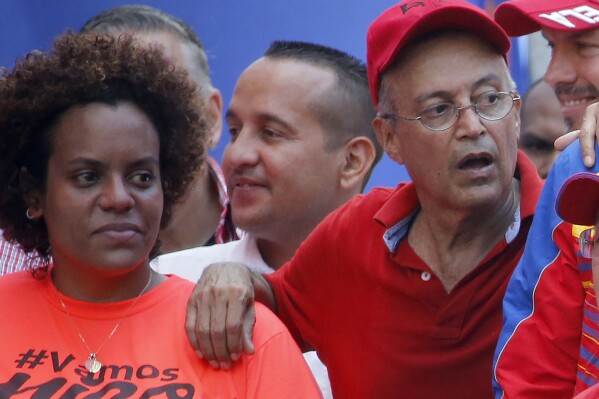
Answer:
[(78, 70)]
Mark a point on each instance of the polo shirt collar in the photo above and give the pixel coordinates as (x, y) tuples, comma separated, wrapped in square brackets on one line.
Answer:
[(398, 212)]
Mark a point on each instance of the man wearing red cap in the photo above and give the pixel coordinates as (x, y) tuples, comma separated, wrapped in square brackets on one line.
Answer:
[(400, 290), (578, 203), (568, 26), (550, 311)]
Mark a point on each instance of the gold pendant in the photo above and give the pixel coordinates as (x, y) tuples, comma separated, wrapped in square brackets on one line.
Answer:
[(92, 364)]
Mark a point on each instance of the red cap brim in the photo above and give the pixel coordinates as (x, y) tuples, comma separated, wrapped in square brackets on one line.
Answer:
[(578, 199), (398, 26), (521, 17)]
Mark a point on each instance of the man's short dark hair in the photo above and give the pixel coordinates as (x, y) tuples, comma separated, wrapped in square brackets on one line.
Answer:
[(348, 111), (141, 18)]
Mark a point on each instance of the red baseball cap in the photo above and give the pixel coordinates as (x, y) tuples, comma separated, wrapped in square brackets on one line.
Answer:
[(521, 17), (578, 199), (399, 25)]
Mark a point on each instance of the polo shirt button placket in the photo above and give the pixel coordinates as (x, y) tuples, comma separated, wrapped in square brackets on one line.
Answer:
[(425, 276)]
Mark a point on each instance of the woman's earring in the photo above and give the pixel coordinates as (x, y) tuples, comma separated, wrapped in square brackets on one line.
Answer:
[(30, 214)]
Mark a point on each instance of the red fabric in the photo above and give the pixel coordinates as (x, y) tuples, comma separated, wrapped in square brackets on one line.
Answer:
[(591, 393), (540, 359), (521, 17), (548, 346), (380, 324), (401, 24), (578, 200), (43, 356)]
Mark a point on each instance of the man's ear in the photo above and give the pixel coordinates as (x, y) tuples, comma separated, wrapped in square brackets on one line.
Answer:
[(388, 138), (359, 157), (517, 108), (214, 111)]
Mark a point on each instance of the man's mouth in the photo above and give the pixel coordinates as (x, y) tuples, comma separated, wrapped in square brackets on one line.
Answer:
[(475, 161), (577, 102), (244, 182), (573, 98)]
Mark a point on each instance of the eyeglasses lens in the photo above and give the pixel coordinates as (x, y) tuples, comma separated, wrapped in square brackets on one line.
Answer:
[(587, 242)]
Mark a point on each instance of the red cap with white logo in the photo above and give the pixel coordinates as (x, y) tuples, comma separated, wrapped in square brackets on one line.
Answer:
[(406, 21), (521, 17)]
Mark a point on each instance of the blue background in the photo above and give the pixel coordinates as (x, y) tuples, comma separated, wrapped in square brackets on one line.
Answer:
[(234, 32)]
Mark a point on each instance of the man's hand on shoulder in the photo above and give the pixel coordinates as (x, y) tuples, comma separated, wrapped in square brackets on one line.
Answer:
[(220, 314)]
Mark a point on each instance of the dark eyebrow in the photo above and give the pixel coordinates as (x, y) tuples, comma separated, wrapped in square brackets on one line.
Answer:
[(573, 35), (492, 77), (230, 114), (531, 137), (97, 164), (265, 117), (425, 96), (145, 161), (87, 161)]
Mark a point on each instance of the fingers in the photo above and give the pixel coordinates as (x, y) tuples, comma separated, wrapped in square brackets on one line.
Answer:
[(217, 309), (235, 317), (588, 134), (248, 331), (191, 323), (204, 324), (198, 322), (562, 142), (219, 323)]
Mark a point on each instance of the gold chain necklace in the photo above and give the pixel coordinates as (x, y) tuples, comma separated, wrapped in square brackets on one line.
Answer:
[(92, 364)]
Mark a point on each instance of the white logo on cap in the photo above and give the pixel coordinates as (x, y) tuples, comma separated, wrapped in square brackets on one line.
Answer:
[(583, 13)]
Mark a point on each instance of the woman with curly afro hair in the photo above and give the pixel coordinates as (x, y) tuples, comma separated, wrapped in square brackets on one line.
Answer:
[(98, 139)]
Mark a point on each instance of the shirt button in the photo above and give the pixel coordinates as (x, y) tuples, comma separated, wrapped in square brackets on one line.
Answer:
[(425, 276)]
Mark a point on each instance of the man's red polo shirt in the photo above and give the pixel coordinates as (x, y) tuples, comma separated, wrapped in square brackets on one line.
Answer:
[(380, 319)]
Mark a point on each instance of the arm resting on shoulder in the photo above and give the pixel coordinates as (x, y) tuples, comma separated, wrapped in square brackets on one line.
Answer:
[(220, 312)]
